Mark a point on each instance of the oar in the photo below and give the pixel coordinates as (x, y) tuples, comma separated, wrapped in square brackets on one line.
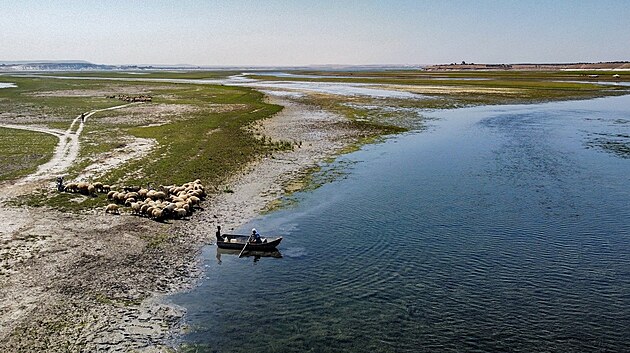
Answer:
[(239, 255)]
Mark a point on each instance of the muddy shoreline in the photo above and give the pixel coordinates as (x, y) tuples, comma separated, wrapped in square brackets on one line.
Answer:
[(96, 282)]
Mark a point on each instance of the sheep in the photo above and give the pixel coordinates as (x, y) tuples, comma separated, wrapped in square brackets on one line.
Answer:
[(98, 186), (157, 214), (142, 193), (134, 195), (112, 208), (110, 195), (91, 190), (135, 207), (178, 199), (129, 201), (83, 187), (180, 213), (195, 193), (71, 187), (119, 197), (170, 207), (194, 200), (160, 195), (106, 188), (151, 194)]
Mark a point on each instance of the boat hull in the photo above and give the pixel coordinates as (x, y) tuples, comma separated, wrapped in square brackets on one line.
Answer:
[(237, 242)]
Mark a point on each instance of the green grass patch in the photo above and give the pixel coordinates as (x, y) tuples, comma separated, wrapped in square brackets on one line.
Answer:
[(211, 141), (206, 145), (22, 151)]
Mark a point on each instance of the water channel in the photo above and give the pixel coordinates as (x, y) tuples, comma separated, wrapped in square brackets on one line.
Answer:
[(502, 229)]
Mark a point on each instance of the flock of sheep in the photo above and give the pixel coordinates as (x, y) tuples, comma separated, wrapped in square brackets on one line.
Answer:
[(174, 201), (126, 98), (86, 188)]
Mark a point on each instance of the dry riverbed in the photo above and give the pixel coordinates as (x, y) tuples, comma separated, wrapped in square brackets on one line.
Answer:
[(94, 282)]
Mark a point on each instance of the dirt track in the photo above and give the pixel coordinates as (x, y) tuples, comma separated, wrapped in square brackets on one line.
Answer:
[(67, 149)]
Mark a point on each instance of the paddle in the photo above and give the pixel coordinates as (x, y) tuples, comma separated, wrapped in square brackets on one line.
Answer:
[(239, 255)]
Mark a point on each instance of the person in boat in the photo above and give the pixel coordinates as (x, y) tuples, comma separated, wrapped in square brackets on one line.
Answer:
[(255, 237)]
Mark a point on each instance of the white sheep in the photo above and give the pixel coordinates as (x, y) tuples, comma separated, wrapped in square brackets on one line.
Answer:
[(194, 200), (112, 208), (157, 214), (72, 187), (180, 213), (135, 207)]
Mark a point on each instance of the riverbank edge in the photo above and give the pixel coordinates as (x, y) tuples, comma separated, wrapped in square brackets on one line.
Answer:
[(96, 282), (260, 184)]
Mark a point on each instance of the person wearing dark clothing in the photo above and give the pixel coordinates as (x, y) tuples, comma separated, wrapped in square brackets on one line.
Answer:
[(60, 184), (256, 236), (218, 234)]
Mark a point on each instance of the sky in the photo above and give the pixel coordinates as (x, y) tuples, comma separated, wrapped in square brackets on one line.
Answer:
[(317, 32)]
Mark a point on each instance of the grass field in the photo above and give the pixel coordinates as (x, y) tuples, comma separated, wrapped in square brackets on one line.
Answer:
[(505, 87), (22, 151), (207, 139)]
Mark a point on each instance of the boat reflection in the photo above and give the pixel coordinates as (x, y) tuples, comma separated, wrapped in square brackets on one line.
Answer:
[(255, 254)]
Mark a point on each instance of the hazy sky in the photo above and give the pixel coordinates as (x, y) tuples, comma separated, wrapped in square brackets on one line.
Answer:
[(283, 32)]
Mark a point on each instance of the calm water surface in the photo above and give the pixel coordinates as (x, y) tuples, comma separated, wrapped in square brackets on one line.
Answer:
[(499, 229)]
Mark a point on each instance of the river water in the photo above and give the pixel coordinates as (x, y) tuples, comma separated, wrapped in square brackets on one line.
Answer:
[(497, 229)]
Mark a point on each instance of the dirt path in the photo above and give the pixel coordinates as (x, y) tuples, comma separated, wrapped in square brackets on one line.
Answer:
[(65, 153)]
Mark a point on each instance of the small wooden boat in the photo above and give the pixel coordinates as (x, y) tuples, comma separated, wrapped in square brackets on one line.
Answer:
[(271, 253), (233, 241)]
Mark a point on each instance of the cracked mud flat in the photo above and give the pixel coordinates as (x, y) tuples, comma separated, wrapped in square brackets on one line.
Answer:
[(94, 282)]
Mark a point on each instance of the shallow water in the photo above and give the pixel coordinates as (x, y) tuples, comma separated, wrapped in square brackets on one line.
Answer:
[(497, 229), (334, 88), (7, 85), (293, 75)]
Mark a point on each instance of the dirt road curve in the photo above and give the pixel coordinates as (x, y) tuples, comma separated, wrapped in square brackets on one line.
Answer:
[(65, 154)]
